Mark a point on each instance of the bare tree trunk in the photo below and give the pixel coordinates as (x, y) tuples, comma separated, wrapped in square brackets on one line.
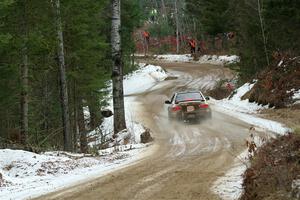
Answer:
[(68, 146), (263, 31), (195, 34), (117, 73), (177, 27), (95, 119), (82, 128), (75, 110), (163, 8), (24, 82), (146, 46), (76, 128), (46, 105)]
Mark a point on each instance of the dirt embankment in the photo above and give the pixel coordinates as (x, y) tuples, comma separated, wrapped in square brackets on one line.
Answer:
[(276, 84), (220, 91), (275, 168), (275, 171)]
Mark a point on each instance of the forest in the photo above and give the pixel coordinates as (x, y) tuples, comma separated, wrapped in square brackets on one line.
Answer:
[(32, 32), (57, 54)]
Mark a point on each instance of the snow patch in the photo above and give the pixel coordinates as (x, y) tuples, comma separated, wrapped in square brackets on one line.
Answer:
[(141, 80), (28, 175), (296, 188), (296, 94), (236, 104), (242, 109), (218, 60), (205, 59), (175, 57), (229, 187)]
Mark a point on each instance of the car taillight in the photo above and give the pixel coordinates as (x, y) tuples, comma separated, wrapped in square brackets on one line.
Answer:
[(203, 106), (176, 108)]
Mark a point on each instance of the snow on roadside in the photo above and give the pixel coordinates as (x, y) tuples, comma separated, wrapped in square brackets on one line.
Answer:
[(236, 104), (28, 175), (175, 57), (141, 80), (296, 95), (218, 60), (205, 59), (229, 187), (244, 110)]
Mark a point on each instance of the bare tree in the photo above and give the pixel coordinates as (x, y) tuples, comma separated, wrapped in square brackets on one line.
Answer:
[(68, 146), (117, 73), (24, 80), (163, 9), (76, 111), (177, 26), (82, 126), (259, 9)]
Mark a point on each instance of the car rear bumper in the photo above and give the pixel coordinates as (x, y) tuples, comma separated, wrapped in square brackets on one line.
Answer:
[(191, 115)]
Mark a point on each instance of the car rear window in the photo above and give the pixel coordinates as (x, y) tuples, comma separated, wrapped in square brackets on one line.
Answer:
[(190, 96)]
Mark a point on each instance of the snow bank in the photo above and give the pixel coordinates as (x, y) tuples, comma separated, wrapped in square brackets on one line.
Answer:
[(242, 109), (236, 104), (175, 57), (218, 60), (205, 59), (296, 95), (27, 175), (229, 187), (141, 80)]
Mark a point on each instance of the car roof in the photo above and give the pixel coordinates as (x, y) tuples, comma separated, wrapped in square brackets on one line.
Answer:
[(183, 92)]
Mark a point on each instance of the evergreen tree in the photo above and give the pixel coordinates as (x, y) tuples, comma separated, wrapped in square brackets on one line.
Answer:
[(86, 30)]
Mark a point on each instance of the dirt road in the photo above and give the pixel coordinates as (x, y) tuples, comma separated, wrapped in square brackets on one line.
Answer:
[(188, 157)]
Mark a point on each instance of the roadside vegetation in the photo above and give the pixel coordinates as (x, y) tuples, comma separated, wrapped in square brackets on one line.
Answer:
[(274, 171), (277, 85)]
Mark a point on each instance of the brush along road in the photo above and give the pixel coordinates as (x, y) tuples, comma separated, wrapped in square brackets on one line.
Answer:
[(187, 158)]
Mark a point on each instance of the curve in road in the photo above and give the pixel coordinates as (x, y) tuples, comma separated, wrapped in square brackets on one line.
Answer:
[(188, 157)]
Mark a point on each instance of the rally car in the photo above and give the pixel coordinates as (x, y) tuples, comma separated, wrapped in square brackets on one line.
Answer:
[(188, 105)]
